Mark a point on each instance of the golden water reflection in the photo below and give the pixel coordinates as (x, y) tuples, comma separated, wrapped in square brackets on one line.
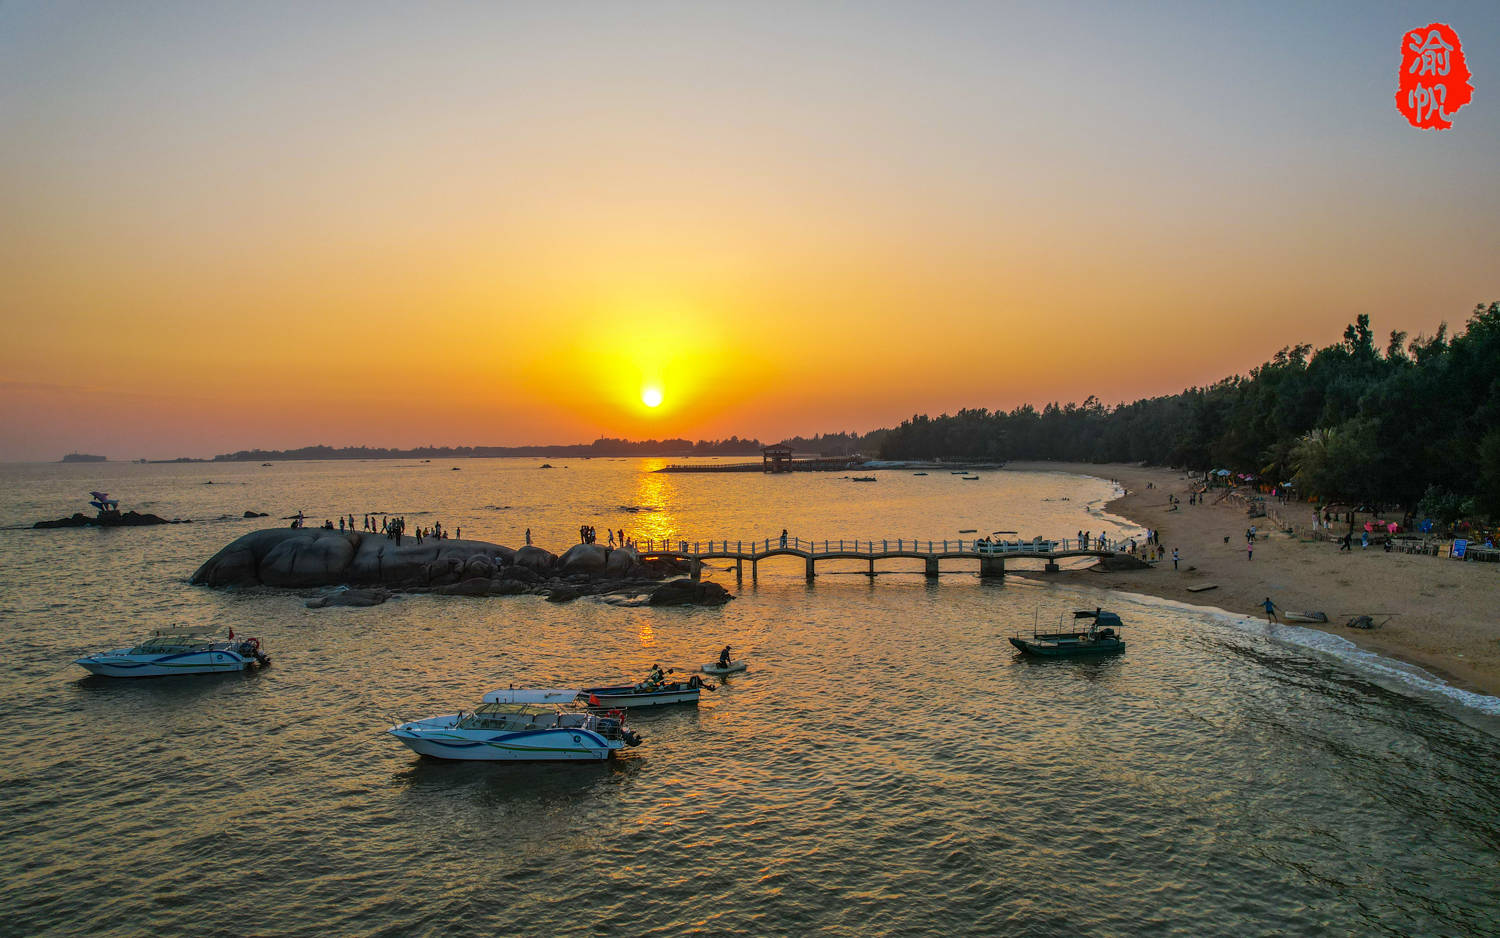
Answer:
[(655, 495)]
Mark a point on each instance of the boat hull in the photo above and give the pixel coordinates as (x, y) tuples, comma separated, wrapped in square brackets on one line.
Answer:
[(1314, 617), (439, 739), (734, 668), (122, 664), (1077, 650), (628, 696)]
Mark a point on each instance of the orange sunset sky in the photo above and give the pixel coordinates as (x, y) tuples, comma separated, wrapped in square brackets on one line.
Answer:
[(271, 225)]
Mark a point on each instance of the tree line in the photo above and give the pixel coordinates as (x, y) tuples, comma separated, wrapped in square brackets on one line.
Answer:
[(1414, 424)]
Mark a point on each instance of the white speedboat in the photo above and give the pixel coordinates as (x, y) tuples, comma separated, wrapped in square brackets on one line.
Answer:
[(520, 724), (165, 653)]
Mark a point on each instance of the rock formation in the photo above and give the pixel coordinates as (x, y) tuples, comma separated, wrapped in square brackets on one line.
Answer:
[(370, 564), (107, 519)]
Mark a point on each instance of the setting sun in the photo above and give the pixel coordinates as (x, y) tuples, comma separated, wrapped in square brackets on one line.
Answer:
[(651, 397)]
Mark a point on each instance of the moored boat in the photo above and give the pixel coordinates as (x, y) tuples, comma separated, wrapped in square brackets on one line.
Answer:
[(733, 667), (167, 653), (520, 725), (654, 691), (1304, 616), (1102, 637)]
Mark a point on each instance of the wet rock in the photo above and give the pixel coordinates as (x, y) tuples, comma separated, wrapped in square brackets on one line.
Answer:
[(107, 519), (563, 595), (254, 514), (478, 586), (689, 593), (503, 587), (354, 597)]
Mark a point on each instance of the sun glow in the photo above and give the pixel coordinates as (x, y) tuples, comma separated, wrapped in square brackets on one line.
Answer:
[(651, 397)]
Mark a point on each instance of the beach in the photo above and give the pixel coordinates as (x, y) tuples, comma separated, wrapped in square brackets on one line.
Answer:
[(1441, 611)]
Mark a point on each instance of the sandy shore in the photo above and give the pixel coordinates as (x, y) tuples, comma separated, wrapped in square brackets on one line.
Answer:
[(1445, 611)]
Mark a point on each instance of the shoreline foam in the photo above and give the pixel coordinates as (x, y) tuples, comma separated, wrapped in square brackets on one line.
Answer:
[(1443, 622)]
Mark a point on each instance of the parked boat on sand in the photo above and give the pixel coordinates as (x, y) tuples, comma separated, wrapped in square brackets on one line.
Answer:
[(168, 653), (1304, 616)]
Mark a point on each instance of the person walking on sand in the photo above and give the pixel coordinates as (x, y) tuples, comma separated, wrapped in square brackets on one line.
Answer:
[(1249, 548), (1344, 543), (1270, 610), (1175, 558)]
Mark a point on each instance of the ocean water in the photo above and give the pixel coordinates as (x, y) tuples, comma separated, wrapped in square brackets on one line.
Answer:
[(888, 766)]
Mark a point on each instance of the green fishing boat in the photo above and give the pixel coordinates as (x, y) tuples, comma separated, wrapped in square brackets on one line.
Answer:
[(1102, 637)]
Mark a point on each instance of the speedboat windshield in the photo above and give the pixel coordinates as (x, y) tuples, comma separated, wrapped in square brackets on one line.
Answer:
[(531, 695)]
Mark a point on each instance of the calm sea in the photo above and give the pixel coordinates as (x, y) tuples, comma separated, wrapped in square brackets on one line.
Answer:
[(887, 767)]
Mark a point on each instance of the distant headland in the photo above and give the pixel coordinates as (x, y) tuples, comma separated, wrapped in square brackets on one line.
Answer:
[(830, 444), (82, 457)]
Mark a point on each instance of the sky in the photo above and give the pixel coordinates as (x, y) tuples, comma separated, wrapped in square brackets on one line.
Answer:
[(228, 225)]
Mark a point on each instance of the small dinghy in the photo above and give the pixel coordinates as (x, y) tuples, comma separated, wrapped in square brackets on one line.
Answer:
[(734, 667), (1304, 616)]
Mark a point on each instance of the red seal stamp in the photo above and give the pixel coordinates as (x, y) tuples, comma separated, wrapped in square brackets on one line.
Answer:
[(1434, 78)]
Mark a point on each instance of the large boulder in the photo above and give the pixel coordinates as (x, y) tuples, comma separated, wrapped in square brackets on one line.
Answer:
[(345, 597), (301, 557), (621, 562), (308, 559), (536, 559), (584, 558), (475, 587), (690, 593)]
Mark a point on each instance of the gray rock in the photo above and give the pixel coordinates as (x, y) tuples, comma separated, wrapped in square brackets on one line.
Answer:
[(355, 597), (478, 586), (503, 587), (690, 593), (535, 559), (584, 558)]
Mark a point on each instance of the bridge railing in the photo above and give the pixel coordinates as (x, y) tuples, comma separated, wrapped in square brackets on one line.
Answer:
[(978, 548)]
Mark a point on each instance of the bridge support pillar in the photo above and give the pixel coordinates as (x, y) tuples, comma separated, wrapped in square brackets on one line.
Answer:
[(871, 574), (696, 570), (991, 567), (1051, 567), (810, 573), (739, 569), (754, 571), (932, 567)]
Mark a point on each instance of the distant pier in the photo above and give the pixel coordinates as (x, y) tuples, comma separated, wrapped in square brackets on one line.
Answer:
[(990, 556)]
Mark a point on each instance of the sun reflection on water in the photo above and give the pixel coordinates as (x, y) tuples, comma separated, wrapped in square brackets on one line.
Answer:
[(655, 494)]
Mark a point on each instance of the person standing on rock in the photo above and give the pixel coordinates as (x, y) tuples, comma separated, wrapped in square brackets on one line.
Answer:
[(528, 537)]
